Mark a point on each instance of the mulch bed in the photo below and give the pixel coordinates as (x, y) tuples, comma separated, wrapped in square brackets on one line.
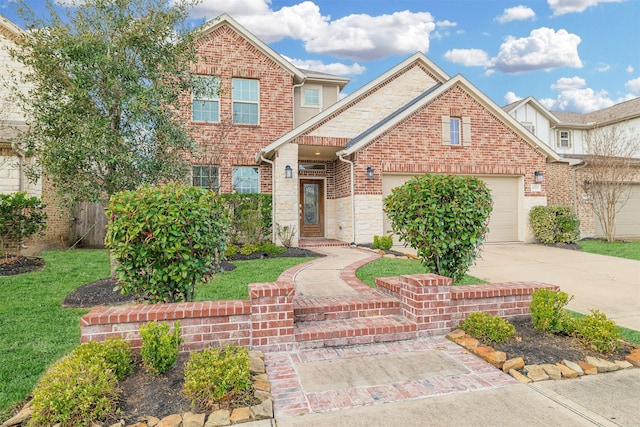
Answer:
[(17, 264)]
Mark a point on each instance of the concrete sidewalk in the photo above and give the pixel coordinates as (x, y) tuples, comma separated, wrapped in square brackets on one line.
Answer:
[(432, 381)]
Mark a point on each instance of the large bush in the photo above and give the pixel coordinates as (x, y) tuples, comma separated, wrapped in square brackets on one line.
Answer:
[(20, 218), (444, 218), (165, 240), (554, 224)]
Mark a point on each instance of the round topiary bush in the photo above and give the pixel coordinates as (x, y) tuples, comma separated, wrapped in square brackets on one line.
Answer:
[(444, 218)]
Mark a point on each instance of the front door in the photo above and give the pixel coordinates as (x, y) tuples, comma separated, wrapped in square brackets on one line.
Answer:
[(311, 208)]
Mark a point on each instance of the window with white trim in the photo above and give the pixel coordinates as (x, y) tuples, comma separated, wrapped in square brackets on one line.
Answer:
[(456, 131), (245, 101), (311, 97), (564, 139), (530, 127), (206, 176), (205, 99), (245, 179)]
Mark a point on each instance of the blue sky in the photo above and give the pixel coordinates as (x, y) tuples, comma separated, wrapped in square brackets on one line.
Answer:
[(572, 55)]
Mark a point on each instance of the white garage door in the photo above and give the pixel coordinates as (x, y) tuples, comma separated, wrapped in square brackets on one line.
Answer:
[(628, 219), (503, 224)]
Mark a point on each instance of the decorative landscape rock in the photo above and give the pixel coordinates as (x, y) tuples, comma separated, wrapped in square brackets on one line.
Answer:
[(634, 357), (518, 376), (552, 370), (588, 368), (515, 363), (573, 366), (497, 358), (602, 365), (240, 415), (219, 418), (566, 372), (536, 373)]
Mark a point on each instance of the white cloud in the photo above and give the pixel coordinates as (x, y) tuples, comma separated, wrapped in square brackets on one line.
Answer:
[(630, 69), (357, 37), (446, 23), (334, 68), (511, 97), (634, 86), (569, 83), (544, 49), (517, 13), (468, 57), (560, 7), (365, 37), (603, 68), (576, 97)]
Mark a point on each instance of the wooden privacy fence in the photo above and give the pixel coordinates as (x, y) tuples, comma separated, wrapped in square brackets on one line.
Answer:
[(89, 225)]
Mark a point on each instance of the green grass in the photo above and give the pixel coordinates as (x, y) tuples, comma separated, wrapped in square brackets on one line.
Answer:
[(389, 267), (233, 284), (628, 250), (35, 330)]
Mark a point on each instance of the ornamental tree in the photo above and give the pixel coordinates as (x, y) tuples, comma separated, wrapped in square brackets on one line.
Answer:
[(444, 218), (165, 240), (20, 218), (105, 79)]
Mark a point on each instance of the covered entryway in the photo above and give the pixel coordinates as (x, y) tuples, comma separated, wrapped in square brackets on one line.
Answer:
[(503, 225), (628, 219), (311, 208)]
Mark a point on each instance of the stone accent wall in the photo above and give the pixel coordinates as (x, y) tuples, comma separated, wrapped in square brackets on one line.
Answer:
[(285, 198), (369, 217)]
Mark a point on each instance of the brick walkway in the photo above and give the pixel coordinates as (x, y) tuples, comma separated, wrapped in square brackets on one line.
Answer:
[(291, 399)]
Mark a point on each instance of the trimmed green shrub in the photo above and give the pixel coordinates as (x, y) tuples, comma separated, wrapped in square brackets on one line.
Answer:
[(160, 346), (488, 328), (216, 374), (444, 217), (250, 217), (20, 218), (554, 224), (597, 330), (382, 242), (548, 313), (165, 240), (81, 388), (114, 353)]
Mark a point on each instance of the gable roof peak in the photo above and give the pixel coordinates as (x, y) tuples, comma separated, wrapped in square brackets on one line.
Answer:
[(226, 19)]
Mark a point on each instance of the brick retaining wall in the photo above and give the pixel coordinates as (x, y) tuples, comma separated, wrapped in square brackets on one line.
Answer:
[(266, 320)]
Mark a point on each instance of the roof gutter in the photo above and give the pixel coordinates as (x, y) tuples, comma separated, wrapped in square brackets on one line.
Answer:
[(353, 200)]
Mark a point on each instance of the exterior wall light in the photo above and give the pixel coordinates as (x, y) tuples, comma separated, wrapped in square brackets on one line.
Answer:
[(288, 172), (370, 172), (539, 177)]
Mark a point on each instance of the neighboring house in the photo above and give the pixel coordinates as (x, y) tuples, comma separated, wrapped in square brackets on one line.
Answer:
[(329, 162), (13, 159), (566, 133)]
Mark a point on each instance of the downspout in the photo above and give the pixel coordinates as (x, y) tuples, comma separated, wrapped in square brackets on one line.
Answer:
[(353, 199), (273, 195), (21, 162)]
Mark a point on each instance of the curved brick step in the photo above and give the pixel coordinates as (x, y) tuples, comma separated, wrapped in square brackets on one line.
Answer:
[(359, 330), (333, 308)]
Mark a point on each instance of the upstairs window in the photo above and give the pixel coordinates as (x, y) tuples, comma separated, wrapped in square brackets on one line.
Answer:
[(205, 99), (245, 179), (456, 131), (564, 139), (311, 97), (245, 101), (530, 127), (206, 176)]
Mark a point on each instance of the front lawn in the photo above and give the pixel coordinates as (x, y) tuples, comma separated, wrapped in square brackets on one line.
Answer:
[(389, 267), (628, 250), (35, 330)]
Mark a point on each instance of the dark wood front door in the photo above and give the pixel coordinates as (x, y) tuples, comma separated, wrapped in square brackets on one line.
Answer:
[(311, 208)]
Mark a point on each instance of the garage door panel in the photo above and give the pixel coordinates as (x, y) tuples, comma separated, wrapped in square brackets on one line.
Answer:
[(628, 219), (503, 224)]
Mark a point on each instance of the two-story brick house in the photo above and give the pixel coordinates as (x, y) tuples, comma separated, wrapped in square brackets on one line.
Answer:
[(329, 162), (566, 134)]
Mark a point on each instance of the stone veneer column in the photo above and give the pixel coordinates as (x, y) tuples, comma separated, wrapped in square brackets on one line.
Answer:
[(272, 316), (426, 300), (286, 191)]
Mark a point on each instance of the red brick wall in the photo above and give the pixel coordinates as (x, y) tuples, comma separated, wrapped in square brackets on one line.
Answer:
[(226, 54), (59, 221), (415, 146)]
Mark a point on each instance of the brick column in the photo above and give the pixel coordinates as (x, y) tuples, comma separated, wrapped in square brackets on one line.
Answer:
[(426, 300), (272, 316)]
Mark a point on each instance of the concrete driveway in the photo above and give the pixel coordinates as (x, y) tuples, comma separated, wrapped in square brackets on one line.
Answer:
[(612, 285)]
